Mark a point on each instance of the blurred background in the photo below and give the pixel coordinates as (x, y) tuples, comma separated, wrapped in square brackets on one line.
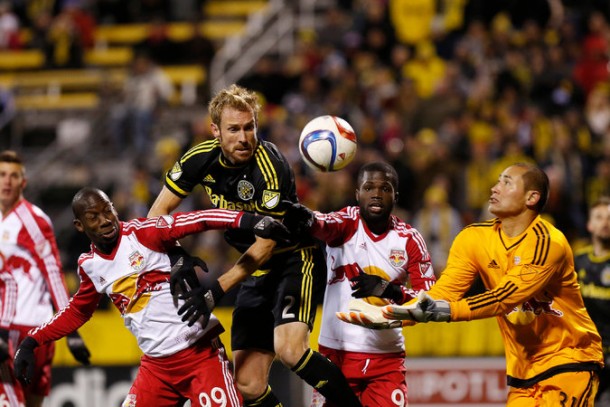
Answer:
[(109, 93)]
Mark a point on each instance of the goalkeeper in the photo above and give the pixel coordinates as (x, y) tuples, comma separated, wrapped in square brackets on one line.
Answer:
[(370, 253), (553, 351)]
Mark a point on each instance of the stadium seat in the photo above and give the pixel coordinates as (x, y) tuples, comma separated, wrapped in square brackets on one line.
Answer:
[(21, 59)]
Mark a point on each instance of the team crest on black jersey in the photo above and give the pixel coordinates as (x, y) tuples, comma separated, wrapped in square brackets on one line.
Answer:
[(176, 172), (245, 190), (398, 257), (136, 261), (270, 199)]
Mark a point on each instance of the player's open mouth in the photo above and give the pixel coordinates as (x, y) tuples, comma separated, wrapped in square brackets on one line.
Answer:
[(110, 234), (376, 208)]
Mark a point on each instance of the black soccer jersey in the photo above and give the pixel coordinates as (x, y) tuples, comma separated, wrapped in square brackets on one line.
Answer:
[(594, 277), (259, 186)]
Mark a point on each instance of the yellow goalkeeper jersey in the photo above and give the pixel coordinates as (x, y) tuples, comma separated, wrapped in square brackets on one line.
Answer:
[(533, 292)]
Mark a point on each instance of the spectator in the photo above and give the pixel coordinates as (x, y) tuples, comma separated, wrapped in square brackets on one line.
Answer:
[(146, 90)]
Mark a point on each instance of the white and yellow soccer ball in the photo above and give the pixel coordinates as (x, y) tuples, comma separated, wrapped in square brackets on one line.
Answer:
[(328, 143)]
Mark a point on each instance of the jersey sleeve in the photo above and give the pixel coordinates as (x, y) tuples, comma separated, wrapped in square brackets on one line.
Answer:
[(277, 181), (419, 266), (461, 270), (334, 228), (162, 232), (520, 283), (188, 171), (49, 261), (74, 315)]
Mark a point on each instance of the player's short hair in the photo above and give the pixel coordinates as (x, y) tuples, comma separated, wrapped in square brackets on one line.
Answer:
[(10, 156), (601, 201), (534, 179), (236, 97), (379, 166), (82, 196)]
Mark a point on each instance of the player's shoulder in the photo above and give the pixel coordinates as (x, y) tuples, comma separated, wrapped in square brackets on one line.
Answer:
[(270, 150), (36, 212), (401, 227), (485, 226), (205, 150)]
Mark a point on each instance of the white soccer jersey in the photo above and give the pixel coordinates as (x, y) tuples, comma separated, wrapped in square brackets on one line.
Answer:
[(32, 278), (399, 255), (136, 278)]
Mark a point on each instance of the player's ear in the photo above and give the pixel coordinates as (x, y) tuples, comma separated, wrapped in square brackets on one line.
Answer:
[(78, 225), (357, 195), (533, 197), (215, 130), (396, 196)]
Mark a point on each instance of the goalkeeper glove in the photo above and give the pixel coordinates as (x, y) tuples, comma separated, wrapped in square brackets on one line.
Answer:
[(183, 276), (265, 227), (24, 361), (298, 218), (78, 348), (425, 309), (200, 302), (4, 353), (367, 285), (364, 314)]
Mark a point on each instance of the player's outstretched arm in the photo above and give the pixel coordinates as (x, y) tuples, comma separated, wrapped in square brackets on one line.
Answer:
[(425, 309), (200, 301), (367, 315)]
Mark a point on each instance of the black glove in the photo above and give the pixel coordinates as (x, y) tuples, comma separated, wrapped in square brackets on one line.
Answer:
[(78, 348), (367, 285), (4, 353), (24, 361), (182, 275), (200, 302), (265, 227), (298, 218)]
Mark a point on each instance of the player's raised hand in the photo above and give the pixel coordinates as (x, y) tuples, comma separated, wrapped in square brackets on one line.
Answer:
[(24, 361), (425, 309), (200, 302), (265, 227), (364, 314), (183, 276), (78, 348), (298, 218)]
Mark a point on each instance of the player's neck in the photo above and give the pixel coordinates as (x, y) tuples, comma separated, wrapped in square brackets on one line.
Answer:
[(600, 249), (515, 225), (9, 206)]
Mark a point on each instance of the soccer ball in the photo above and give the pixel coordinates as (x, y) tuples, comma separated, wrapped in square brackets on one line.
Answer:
[(327, 143)]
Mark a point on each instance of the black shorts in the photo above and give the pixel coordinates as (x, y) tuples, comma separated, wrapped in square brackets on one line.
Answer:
[(288, 289)]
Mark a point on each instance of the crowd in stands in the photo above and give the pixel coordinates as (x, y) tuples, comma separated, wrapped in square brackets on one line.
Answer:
[(449, 91)]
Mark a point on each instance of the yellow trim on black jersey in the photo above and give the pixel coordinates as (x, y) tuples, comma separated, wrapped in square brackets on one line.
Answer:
[(267, 168), (204, 147), (306, 285), (175, 188)]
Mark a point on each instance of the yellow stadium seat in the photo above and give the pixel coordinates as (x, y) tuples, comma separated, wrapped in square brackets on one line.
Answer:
[(21, 59), (85, 100), (112, 56), (227, 8)]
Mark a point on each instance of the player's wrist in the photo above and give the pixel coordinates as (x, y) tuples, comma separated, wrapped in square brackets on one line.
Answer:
[(248, 220), (29, 343)]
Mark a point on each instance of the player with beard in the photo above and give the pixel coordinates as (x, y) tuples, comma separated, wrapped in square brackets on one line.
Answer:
[(592, 265), (276, 306)]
